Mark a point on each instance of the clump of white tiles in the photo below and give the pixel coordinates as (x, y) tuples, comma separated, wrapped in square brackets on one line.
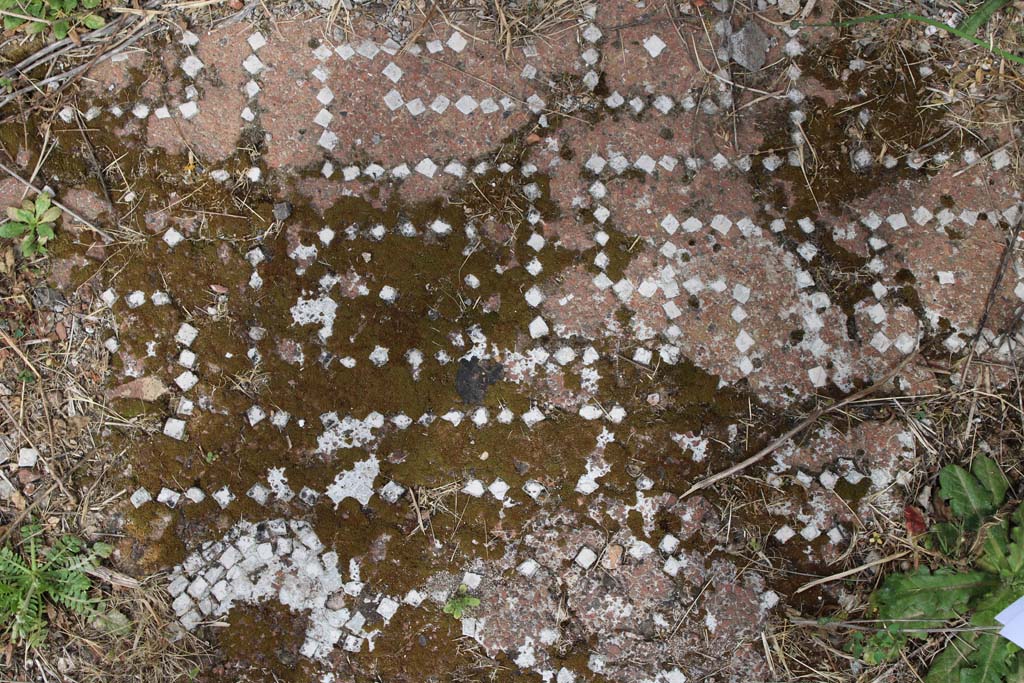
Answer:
[(275, 560)]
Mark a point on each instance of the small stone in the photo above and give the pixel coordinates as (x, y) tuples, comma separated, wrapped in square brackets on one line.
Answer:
[(749, 46), (282, 211), (27, 457)]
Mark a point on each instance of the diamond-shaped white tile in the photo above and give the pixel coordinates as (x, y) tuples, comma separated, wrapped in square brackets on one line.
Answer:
[(393, 100), (427, 167), (393, 72), (256, 41), (456, 42), (323, 118), (191, 65), (253, 65), (654, 45), (466, 104)]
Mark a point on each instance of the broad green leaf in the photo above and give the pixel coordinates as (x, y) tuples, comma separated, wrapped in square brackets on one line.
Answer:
[(12, 23), (61, 28), (50, 215), (992, 603), (1016, 674), (946, 537), (36, 27), (94, 21), (922, 599), (102, 549), (994, 548), (1015, 550), (990, 660), (44, 232), (42, 203), (13, 229), (991, 477), (28, 245), (20, 215), (90, 4), (969, 499), (946, 667)]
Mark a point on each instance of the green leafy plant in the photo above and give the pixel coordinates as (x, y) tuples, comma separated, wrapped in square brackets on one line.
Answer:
[(976, 586), (60, 16), (459, 603), (966, 30), (38, 575), (32, 223)]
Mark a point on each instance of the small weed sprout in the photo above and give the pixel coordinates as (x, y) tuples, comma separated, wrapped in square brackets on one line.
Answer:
[(60, 16), (38, 576), (32, 223), (460, 602)]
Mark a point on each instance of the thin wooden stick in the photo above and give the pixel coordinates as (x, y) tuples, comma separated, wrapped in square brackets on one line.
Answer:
[(850, 572), (801, 426), (21, 354)]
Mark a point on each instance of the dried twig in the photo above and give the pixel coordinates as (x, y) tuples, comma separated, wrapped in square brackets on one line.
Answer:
[(801, 426), (850, 572)]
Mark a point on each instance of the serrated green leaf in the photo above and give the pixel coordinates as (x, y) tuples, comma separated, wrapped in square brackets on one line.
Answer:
[(969, 500), (103, 550), (921, 599), (991, 477), (94, 21)]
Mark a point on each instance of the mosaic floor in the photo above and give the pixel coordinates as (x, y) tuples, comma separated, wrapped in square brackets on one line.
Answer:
[(434, 321)]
